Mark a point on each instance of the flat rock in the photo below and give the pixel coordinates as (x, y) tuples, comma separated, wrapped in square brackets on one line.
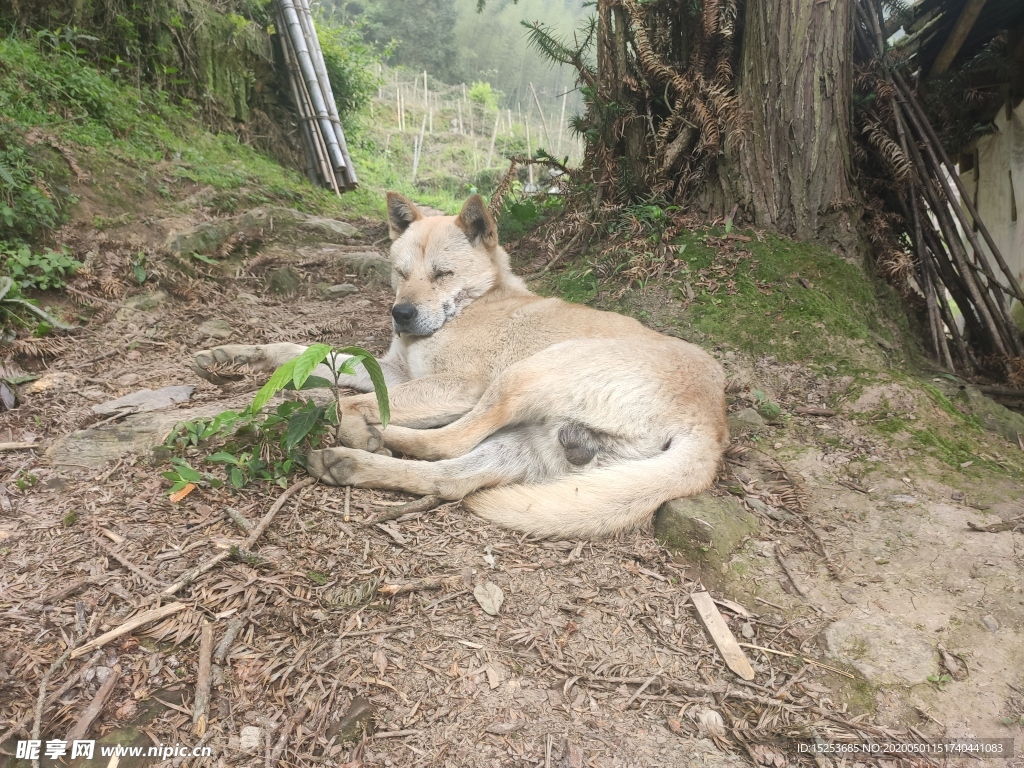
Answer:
[(265, 223), (142, 302), (337, 291), (284, 281), (745, 421), (882, 649), (216, 329), (136, 433), (146, 400), (705, 529)]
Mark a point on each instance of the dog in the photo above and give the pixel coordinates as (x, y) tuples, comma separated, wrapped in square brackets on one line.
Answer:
[(544, 416)]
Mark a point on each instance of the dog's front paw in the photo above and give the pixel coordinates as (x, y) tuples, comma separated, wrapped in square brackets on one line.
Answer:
[(334, 466), (229, 362), (355, 432)]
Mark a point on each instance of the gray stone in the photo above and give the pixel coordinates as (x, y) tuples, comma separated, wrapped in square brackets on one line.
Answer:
[(284, 281), (990, 623), (216, 329), (882, 649), (266, 223), (337, 291), (745, 421), (136, 433), (250, 738), (993, 416), (902, 498), (705, 529), (146, 400), (143, 302)]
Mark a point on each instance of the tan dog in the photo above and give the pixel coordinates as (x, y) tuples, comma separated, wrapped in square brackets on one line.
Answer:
[(548, 417)]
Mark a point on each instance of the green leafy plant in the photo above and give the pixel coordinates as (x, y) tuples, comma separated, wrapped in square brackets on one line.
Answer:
[(40, 270), (940, 681), (482, 93), (268, 445)]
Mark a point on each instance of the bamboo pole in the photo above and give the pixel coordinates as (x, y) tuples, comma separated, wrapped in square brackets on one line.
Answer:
[(529, 151), (418, 149), (304, 59), (313, 140), (543, 121), (494, 136), (348, 176), (561, 125)]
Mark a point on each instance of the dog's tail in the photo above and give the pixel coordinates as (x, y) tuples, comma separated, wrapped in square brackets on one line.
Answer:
[(602, 501)]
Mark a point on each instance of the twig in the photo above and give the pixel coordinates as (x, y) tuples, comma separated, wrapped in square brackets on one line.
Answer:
[(253, 537), (282, 741), (18, 446), (238, 519), (139, 620), (89, 297), (395, 734), (201, 711), (41, 698), (127, 563), (92, 711), (225, 644), (789, 574), (424, 585), (424, 504), (796, 656), (638, 691)]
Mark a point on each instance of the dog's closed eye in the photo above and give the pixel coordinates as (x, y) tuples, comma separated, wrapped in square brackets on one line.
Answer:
[(440, 274)]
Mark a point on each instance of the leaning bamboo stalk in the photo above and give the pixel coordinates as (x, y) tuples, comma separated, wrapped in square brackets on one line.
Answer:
[(317, 55), (543, 121), (307, 119), (955, 245), (1000, 308), (1015, 286), (302, 55), (494, 136), (419, 149)]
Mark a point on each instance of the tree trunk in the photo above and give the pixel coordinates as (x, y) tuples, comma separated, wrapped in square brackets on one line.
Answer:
[(793, 171)]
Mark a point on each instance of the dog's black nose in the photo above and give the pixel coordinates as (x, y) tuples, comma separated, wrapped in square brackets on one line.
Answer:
[(404, 313)]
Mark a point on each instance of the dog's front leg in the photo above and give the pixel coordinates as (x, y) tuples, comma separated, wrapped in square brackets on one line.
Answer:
[(425, 403), (229, 361)]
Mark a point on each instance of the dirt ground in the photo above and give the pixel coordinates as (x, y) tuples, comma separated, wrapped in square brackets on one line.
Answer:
[(883, 616)]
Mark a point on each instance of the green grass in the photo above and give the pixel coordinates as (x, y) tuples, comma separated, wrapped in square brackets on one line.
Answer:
[(762, 307)]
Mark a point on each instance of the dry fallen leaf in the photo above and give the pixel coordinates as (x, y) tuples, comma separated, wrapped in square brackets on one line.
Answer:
[(380, 661), (490, 597), (179, 495), (495, 675)]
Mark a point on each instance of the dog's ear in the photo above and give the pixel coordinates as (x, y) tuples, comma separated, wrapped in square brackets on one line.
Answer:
[(478, 224), (401, 213)]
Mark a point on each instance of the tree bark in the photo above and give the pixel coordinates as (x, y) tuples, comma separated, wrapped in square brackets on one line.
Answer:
[(793, 171)]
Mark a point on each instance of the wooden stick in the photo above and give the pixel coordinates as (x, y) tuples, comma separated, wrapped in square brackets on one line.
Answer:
[(424, 504), (229, 637), (92, 711), (251, 540), (423, 585), (282, 742), (139, 620), (18, 446), (721, 635), (494, 136), (201, 705), (957, 36), (127, 563)]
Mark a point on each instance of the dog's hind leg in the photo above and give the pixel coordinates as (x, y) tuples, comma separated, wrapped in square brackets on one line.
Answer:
[(511, 457)]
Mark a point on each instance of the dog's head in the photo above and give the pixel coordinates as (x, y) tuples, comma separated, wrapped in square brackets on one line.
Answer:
[(441, 264)]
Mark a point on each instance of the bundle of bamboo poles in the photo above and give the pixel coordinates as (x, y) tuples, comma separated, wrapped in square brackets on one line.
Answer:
[(938, 219), (323, 140)]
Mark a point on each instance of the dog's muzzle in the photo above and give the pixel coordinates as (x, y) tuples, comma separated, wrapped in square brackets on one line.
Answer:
[(405, 317)]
